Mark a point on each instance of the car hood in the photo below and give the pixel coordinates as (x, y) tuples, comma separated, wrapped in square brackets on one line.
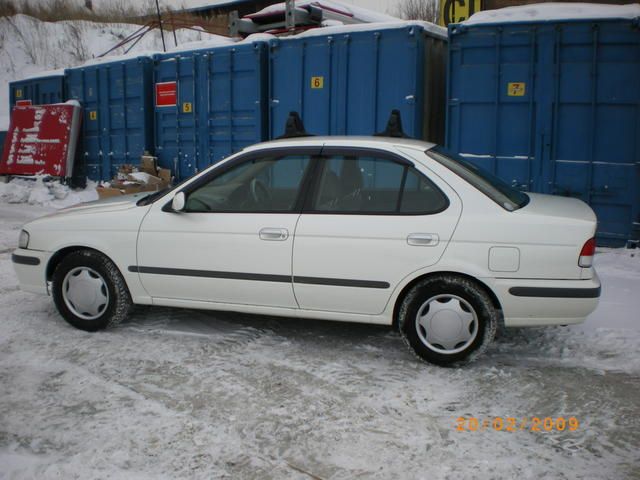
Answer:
[(121, 202), (558, 207), (112, 204)]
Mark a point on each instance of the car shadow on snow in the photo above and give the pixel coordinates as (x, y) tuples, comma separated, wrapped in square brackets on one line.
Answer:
[(327, 335)]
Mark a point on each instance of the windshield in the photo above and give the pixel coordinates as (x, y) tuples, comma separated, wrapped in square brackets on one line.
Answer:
[(497, 190)]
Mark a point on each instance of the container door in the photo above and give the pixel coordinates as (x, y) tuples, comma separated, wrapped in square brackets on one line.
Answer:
[(301, 81), (375, 73), (594, 149), (492, 112), (232, 100), (85, 87), (187, 125), (176, 126), (348, 84), (127, 136)]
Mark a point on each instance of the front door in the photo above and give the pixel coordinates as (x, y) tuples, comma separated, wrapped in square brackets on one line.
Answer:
[(233, 242)]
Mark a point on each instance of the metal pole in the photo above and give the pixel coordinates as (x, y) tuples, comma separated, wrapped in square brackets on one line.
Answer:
[(290, 15), (164, 47), (175, 37)]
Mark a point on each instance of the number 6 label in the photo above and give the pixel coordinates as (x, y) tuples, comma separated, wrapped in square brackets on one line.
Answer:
[(317, 82)]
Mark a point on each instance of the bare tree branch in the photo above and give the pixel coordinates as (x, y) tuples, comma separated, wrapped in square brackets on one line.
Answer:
[(418, 10)]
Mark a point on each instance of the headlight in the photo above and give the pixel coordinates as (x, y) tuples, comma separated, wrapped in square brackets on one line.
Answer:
[(23, 241)]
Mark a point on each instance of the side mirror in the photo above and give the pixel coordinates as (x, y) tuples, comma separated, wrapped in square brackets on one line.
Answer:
[(178, 202)]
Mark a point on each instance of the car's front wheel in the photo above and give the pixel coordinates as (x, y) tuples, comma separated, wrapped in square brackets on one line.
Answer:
[(89, 291), (447, 319)]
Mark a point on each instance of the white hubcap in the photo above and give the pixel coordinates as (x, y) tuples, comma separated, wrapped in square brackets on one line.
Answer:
[(447, 324), (85, 293)]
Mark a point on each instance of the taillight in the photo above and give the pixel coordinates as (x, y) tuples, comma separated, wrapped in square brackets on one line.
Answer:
[(587, 252)]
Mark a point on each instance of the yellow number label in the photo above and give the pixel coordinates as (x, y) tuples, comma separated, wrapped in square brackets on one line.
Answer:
[(317, 82), (93, 115), (516, 89), (187, 107), (18, 93)]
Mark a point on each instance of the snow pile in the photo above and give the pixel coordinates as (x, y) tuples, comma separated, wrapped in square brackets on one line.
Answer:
[(554, 12), (48, 194)]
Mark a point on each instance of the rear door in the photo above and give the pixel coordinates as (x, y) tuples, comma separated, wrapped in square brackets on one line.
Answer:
[(371, 220)]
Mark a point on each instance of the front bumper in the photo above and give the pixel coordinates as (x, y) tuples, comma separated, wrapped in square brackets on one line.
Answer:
[(533, 303), (30, 267)]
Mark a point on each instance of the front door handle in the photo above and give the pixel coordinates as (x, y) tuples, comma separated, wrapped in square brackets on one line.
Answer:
[(423, 239), (274, 234)]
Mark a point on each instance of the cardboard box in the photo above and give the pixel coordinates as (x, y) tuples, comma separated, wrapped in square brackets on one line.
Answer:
[(148, 164), (129, 180), (165, 175), (118, 188)]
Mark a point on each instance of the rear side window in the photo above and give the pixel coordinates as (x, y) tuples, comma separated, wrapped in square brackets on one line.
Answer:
[(371, 185), (500, 192)]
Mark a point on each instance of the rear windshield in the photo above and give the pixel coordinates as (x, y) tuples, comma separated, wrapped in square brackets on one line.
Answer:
[(500, 192)]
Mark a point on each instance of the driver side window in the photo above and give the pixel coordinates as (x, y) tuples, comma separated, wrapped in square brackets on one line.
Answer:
[(260, 185)]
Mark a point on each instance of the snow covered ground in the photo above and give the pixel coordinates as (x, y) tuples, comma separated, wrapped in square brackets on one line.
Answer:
[(188, 394)]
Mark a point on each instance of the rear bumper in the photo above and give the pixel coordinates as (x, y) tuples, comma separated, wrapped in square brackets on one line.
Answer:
[(532, 303), (30, 267)]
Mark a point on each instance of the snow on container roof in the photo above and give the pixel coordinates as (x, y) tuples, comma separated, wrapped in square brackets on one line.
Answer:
[(44, 74), (430, 28), (116, 58), (216, 41), (220, 42), (550, 12)]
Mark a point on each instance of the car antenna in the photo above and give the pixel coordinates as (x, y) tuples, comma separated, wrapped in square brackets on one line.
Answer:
[(394, 126), (294, 127)]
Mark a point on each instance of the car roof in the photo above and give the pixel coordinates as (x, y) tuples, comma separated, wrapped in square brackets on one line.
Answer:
[(343, 141)]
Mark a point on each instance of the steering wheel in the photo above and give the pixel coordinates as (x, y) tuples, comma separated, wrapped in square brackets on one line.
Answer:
[(259, 192)]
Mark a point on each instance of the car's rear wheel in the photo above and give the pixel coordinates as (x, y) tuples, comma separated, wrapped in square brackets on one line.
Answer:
[(89, 291), (448, 319)]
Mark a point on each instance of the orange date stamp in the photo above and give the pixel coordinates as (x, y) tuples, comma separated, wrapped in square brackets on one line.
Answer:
[(513, 424)]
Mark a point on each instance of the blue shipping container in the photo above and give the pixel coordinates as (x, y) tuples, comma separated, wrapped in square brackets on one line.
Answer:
[(347, 83), (117, 123), (553, 108), (219, 106), (40, 90)]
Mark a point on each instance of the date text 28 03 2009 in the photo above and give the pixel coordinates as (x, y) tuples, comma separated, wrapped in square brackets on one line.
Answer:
[(513, 424)]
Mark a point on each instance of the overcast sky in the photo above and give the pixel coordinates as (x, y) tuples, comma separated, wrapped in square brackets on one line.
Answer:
[(384, 6)]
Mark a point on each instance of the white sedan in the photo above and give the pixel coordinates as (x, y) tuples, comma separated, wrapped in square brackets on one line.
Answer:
[(358, 229)]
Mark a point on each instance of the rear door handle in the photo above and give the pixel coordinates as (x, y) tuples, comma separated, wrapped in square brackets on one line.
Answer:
[(423, 239), (274, 234)]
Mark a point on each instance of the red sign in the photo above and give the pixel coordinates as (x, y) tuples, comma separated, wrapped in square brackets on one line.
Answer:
[(23, 103), (166, 94), (41, 140)]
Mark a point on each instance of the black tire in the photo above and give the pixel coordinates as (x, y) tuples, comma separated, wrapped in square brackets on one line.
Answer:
[(118, 305), (485, 325)]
